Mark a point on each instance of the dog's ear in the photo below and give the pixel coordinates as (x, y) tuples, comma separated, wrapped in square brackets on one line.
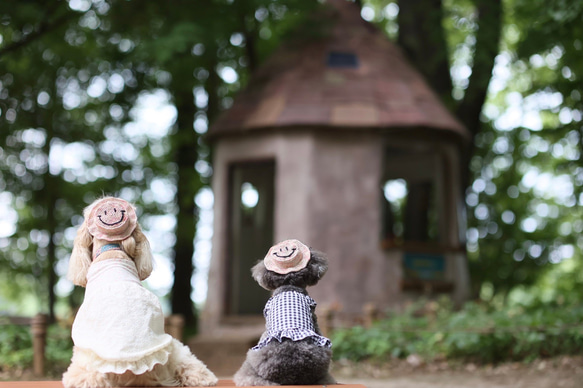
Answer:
[(316, 268), (262, 276), (80, 256), (138, 248)]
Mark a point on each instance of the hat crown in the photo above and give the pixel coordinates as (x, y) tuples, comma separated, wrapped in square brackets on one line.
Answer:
[(287, 256), (112, 219)]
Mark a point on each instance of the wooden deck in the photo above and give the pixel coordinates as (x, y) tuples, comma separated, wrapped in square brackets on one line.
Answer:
[(222, 383)]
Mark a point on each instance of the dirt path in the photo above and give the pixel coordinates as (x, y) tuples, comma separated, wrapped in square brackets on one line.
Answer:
[(563, 372)]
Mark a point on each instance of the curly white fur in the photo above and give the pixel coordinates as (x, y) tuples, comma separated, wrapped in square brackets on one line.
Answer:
[(182, 368)]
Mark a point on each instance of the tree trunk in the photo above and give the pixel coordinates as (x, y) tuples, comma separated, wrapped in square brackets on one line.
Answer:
[(214, 101), (487, 47), (51, 255), (185, 155), (422, 38), (48, 196), (250, 34)]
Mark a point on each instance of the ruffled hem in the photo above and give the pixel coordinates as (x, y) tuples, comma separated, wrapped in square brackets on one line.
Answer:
[(137, 367), (295, 335)]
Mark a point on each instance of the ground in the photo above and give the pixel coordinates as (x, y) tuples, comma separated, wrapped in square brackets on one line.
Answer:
[(560, 372)]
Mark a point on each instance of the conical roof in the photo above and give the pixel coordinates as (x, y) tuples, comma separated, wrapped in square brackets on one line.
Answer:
[(353, 77)]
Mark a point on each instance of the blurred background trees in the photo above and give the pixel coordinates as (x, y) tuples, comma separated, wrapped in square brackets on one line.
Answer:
[(78, 77)]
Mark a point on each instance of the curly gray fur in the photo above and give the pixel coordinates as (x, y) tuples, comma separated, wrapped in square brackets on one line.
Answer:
[(289, 362)]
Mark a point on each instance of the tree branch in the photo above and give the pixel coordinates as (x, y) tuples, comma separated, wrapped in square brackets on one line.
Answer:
[(250, 48), (44, 28), (486, 50)]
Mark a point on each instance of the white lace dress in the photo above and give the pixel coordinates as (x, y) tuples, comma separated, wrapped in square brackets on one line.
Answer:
[(120, 325)]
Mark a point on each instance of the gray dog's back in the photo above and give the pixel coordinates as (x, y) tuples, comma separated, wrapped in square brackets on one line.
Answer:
[(294, 363)]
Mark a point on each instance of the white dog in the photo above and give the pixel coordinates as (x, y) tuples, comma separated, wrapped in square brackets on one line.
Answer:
[(119, 330)]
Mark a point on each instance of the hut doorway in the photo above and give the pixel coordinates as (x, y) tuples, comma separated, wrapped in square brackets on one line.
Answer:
[(251, 218)]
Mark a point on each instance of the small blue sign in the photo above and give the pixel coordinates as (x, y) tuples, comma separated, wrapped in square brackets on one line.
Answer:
[(424, 266)]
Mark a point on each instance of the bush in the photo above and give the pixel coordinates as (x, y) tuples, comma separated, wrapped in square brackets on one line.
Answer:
[(59, 349), (16, 351), (15, 347), (475, 333)]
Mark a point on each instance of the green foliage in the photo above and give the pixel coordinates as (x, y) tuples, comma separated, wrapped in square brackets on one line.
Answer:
[(15, 346), (16, 349), (475, 333), (524, 212), (59, 348)]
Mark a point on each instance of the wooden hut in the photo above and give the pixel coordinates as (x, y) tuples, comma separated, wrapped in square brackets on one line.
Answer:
[(338, 142)]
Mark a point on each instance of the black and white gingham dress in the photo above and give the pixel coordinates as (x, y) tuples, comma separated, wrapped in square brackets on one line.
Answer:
[(289, 314)]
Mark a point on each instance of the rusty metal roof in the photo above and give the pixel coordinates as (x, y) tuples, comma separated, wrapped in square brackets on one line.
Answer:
[(354, 77)]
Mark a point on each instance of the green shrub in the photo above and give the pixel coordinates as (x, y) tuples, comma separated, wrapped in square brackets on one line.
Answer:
[(59, 349), (16, 350), (475, 333), (15, 346)]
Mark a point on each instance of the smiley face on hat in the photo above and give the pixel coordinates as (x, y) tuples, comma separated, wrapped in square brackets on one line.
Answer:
[(287, 256), (112, 219)]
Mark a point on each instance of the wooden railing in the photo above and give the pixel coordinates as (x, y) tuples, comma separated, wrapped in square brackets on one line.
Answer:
[(173, 325), (38, 331)]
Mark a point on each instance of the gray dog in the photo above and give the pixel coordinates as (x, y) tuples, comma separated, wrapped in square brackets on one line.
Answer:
[(292, 350)]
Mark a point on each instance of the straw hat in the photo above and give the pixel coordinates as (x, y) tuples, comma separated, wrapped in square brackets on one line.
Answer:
[(287, 256), (112, 219)]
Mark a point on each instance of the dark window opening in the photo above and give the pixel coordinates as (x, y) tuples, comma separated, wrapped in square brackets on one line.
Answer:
[(410, 198), (342, 60), (410, 212)]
